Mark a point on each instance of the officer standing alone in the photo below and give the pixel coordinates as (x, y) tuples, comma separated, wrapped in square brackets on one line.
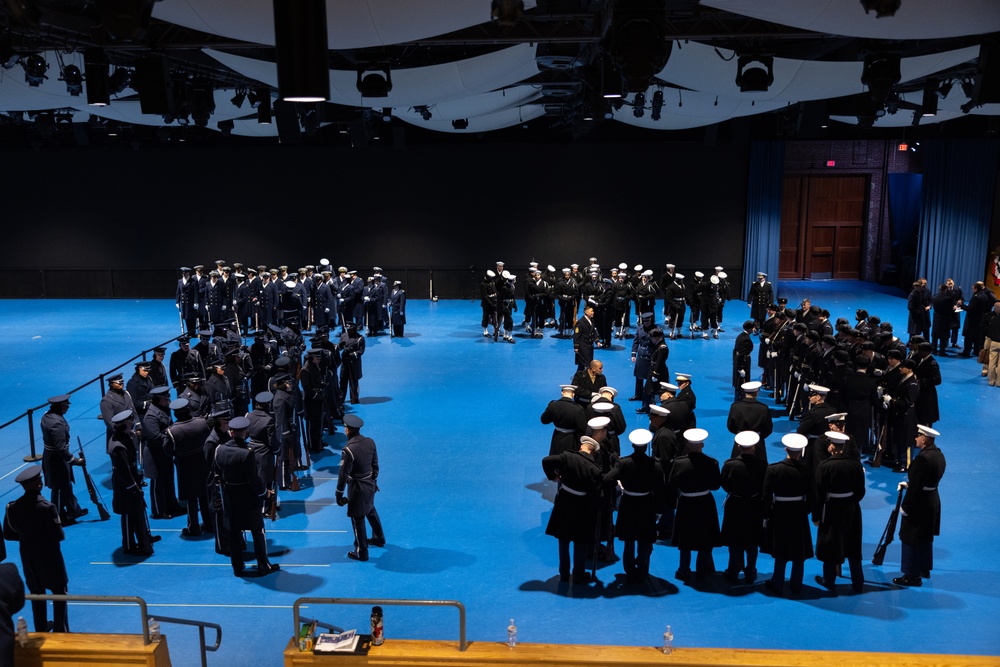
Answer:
[(359, 477)]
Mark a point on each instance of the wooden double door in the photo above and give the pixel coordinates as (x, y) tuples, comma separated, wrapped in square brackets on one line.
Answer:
[(822, 227)]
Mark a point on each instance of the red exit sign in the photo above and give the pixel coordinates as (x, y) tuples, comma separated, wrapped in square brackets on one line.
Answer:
[(903, 147), (831, 163)]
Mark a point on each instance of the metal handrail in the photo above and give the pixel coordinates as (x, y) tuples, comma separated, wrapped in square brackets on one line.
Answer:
[(29, 413), (462, 644), (144, 613)]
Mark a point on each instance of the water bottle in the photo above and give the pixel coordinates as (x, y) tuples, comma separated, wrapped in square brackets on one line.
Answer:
[(154, 630), (378, 636), (22, 631), (668, 641), (512, 634)]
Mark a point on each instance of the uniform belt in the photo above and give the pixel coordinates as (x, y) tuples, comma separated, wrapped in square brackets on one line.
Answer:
[(573, 491), (361, 477), (694, 494), (736, 495), (564, 430), (235, 483), (788, 499), (637, 494), (839, 495), (930, 488)]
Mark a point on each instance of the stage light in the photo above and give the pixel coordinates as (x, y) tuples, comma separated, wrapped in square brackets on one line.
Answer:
[(881, 7), (302, 50), (460, 123), (387, 114), (929, 105), (611, 80), (880, 74), (657, 104), (945, 88), (424, 112), (238, 98), (507, 12), (95, 64), (74, 80), (226, 127), (119, 80), (754, 74), (639, 44), (264, 109), (34, 69), (374, 81), (201, 98), (639, 105)]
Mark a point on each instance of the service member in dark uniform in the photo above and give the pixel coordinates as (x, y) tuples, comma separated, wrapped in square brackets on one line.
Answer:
[(184, 362), (789, 496), (397, 309), (749, 414), (187, 300), (157, 455), (198, 401), (639, 477), (568, 420), (921, 509), (840, 486), (584, 335), (359, 478), (760, 296), (742, 350), (743, 513), (574, 514), (34, 522), (115, 400), (241, 492), (187, 436), (11, 602), (693, 477), (588, 382), (286, 430), (352, 348), (58, 461), (126, 482), (265, 446), (157, 370)]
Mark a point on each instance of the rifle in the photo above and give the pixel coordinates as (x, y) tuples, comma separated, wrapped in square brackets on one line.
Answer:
[(890, 529), (879, 447), (95, 496), (307, 443), (181, 318)]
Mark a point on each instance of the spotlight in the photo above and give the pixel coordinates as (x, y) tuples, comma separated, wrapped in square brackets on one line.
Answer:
[(424, 112), (657, 104), (119, 80), (374, 81), (611, 80), (881, 7), (507, 12), (639, 105), (880, 74), (201, 97), (968, 88), (929, 105), (460, 123), (639, 44), (34, 69), (302, 50), (226, 127), (253, 97), (96, 66), (263, 104), (945, 88), (74, 80), (238, 98), (754, 74), (387, 114)]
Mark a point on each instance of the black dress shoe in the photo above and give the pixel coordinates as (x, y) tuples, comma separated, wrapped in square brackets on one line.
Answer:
[(583, 578), (640, 411), (155, 538), (187, 532), (908, 581), (376, 543), (682, 573), (271, 568), (822, 582), (634, 398), (354, 555), (771, 586), (82, 512), (749, 575)]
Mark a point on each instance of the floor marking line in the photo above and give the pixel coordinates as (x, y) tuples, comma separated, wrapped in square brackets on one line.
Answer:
[(267, 530), (102, 562)]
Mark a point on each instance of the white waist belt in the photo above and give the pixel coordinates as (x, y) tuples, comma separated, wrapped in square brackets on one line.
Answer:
[(563, 430), (839, 495), (573, 491), (694, 494), (788, 499), (634, 493), (930, 488)]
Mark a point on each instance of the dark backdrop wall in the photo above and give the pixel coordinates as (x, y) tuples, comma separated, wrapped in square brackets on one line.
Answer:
[(110, 221)]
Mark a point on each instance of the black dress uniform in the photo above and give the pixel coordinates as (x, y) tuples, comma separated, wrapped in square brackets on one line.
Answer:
[(840, 486), (640, 477), (157, 463), (352, 348), (264, 444), (584, 335), (113, 402), (286, 431), (574, 514), (241, 492), (359, 477), (568, 421), (188, 438), (313, 381), (11, 602), (128, 500), (760, 296), (749, 414), (921, 514), (742, 350), (397, 310), (34, 523), (743, 513), (693, 477), (789, 496), (186, 299), (58, 461)]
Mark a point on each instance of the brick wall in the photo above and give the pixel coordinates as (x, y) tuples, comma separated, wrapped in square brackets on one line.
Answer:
[(876, 159)]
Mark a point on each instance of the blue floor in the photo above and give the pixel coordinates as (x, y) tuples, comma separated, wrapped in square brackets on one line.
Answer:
[(465, 504)]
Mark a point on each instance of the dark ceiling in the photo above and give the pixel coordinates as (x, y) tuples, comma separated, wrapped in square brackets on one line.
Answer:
[(476, 70)]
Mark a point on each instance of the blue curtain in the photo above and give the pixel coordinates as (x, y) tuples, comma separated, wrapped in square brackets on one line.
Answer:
[(959, 181), (767, 170), (905, 197)]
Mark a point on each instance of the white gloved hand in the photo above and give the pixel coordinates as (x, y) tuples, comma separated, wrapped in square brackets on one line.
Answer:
[(743, 373), (196, 306), (178, 306), (901, 486)]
